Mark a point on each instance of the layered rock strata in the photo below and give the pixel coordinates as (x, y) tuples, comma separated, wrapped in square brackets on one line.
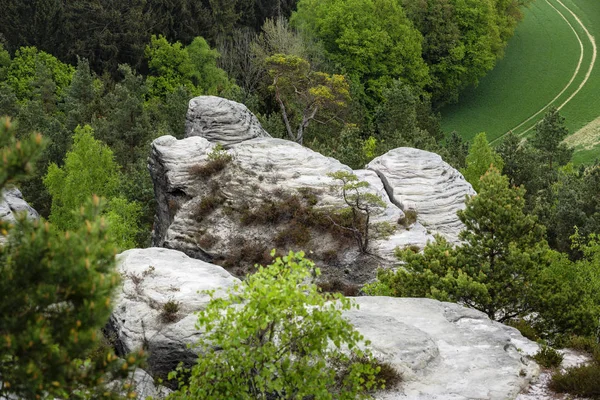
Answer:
[(274, 193)]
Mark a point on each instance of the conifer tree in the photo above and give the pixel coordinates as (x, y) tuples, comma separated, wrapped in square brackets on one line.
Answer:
[(55, 295), (501, 255), (548, 137)]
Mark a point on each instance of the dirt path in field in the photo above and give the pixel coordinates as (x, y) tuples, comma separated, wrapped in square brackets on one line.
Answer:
[(573, 77)]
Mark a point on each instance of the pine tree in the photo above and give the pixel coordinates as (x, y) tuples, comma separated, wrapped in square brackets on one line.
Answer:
[(492, 270), (55, 296), (548, 137)]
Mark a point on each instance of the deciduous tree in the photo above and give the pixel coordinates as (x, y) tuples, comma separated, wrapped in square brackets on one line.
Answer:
[(276, 336), (303, 94), (481, 156)]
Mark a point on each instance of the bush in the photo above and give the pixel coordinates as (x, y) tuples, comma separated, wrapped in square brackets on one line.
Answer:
[(581, 343), (169, 311), (410, 217), (336, 285), (207, 205), (547, 357), (525, 328), (218, 158), (275, 336), (580, 381)]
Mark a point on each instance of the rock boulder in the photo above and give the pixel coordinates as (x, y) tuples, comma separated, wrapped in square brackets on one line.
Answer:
[(443, 351), (274, 193), (422, 181), (221, 121), (13, 203), (152, 278)]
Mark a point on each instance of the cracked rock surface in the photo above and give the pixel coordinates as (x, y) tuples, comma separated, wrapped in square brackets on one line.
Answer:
[(151, 278), (443, 350), (264, 172)]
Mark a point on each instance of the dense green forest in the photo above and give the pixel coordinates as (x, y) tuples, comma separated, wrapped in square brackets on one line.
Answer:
[(352, 79)]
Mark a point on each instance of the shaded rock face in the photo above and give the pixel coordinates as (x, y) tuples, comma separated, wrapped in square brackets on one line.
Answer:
[(221, 121), (152, 278), (443, 351), (274, 193)]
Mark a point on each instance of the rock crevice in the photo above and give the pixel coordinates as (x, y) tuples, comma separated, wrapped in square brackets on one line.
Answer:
[(227, 216)]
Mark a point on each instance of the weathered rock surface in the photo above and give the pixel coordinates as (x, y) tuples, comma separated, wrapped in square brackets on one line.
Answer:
[(420, 180), (212, 214), (151, 278), (221, 121), (443, 350), (263, 171), (13, 203)]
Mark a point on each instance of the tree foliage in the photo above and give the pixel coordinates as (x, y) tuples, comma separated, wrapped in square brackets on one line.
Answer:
[(194, 67), (55, 296), (481, 156), (371, 40), (462, 40), (492, 270), (90, 169), (304, 94), (568, 292), (27, 62), (276, 336)]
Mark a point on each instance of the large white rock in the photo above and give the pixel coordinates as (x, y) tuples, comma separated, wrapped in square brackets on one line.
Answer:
[(151, 278), (261, 170), (266, 170), (443, 350), (420, 180), (221, 121)]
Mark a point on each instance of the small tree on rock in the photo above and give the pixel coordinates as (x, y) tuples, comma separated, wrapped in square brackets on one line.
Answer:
[(361, 207)]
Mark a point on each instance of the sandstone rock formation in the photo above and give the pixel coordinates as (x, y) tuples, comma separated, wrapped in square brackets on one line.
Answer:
[(444, 351), (422, 181), (152, 278), (275, 193), (221, 121)]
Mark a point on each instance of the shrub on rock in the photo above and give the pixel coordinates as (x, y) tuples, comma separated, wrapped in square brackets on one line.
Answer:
[(276, 336)]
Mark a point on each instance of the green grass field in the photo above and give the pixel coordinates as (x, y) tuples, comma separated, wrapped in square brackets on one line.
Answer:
[(544, 64)]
